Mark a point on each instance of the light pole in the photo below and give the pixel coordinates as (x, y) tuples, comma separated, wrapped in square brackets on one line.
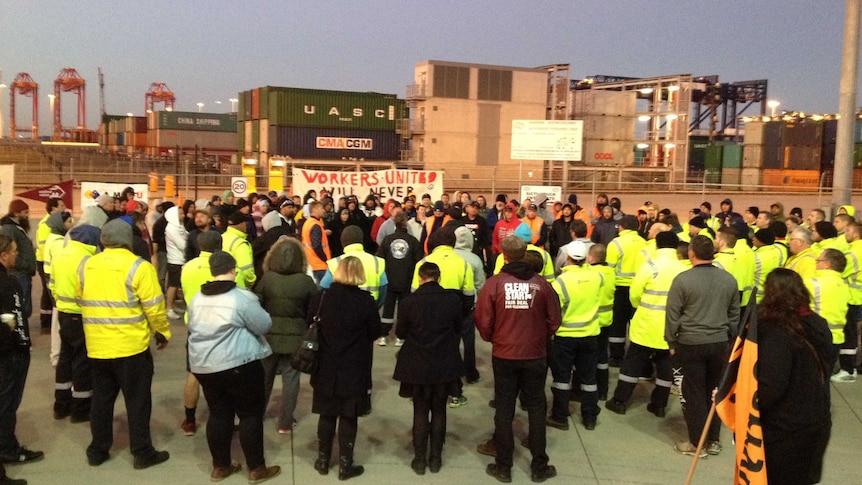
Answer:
[(1, 109), (200, 107), (51, 111), (233, 102), (772, 103)]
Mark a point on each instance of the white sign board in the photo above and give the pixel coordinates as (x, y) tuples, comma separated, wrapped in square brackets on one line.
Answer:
[(559, 140), (239, 186), (90, 191), (553, 193), (396, 184), (7, 186)]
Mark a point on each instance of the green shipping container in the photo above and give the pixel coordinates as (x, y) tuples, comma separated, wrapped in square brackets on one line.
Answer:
[(255, 137), (241, 106), (712, 158), (731, 156), (240, 136), (191, 121), (264, 102), (312, 108), (857, 155)]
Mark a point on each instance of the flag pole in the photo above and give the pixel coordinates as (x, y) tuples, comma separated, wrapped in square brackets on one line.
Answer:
[(700, 444)]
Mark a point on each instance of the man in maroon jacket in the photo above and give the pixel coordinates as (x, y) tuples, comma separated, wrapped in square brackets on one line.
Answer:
[(518, 312)]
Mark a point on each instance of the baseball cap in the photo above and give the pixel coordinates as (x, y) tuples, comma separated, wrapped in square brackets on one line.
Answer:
[(533, 207), (576, 250), (439, 206)]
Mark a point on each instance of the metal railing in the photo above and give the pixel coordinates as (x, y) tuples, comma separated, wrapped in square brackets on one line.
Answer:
[(415, 91)]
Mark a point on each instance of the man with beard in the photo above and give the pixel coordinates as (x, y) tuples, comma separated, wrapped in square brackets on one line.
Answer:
[(479, 227), (16, 225), (203, 222), (560, 233)]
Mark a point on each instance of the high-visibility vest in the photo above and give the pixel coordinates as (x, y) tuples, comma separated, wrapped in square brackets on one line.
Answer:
[(53, 244), (579, 289), (839, 243), (455, 272), (429, 227), (648, 296), (853, 272), (373, 266), (622, 255), (121, 304), (42, 232), (606, 298), (830, 296), (195, 273), (804, 263), (535, 226), (766, 259), (313, 259), (547, 263), (68, 261), (234, 242), (726, 260), (744, 269)]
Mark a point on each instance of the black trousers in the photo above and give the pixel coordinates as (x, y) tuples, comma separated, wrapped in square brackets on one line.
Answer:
[(133, 375), (73, 388), (637, 358), (468, 337), (847, 353), (429, 400), (46, 304), (701, 367), (347, 428), (389, 303), (526, 377), (623, 312), (582, 353), (602, 367), (235, 392), (13, 376)]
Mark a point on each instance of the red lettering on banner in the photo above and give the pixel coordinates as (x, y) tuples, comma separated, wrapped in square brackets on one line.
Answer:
[(603, 156)]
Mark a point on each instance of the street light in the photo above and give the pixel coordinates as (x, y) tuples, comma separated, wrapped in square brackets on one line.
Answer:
[(200, 107), (233, 102), (1, 109), (51, 110), (773, 103)]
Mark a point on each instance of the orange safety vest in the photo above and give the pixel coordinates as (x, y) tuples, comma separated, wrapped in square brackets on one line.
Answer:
[(313, 259), (535, 228), (429, 226), (584, 215)]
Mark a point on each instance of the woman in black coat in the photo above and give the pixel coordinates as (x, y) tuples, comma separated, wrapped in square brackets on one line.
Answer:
[(795, 359), (335, 227), (342, 383), (429, 322)]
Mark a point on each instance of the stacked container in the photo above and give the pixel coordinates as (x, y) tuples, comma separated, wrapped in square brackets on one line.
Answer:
[(731, 165), (212, 132), (609, 126)]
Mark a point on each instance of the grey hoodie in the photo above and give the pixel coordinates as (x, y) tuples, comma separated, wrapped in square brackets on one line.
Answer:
[(464, 248)]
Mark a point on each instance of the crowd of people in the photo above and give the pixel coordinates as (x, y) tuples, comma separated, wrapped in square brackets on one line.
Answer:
[(551, 285)]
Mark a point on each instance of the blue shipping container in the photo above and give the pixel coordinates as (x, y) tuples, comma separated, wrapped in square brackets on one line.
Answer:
[(331, 144)]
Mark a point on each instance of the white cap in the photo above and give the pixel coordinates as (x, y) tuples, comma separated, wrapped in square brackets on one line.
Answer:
[(576, 250)]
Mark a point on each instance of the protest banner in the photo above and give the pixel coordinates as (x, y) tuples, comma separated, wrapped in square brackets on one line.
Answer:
[(392, 183), (90, 191)]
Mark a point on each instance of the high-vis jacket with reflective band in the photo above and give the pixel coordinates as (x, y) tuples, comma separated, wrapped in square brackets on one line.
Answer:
[(744, 269), (579, 289), (647, 253), (804, 263), (726, 260), (829, 298), (374, 268), (235, 242), (42, 231), (766, 259), (455, 272), (606, 298), (121, 304), (195, 273), (839, 243), (648, 296), (853, 272), (313, 259), (547, 265), (54, 243), (622, 255), (68, 261)]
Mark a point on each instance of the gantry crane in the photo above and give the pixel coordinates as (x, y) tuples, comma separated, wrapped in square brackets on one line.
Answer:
[(159, 93), (25, 86), (69, 81)]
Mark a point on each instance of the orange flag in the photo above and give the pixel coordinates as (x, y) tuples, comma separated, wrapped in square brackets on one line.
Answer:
[(737, 405)]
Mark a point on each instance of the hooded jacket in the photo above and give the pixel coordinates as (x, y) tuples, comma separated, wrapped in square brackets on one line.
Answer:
[(378, 221), (26, 261), (175, 237), (82, 244), (464, 247), (502, 230), (55, 239), (401, 251)]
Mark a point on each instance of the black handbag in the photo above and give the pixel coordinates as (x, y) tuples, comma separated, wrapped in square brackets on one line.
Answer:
[(305, 358)]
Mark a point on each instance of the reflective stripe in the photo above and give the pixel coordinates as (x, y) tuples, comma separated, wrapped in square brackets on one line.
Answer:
[(578, 324), (589, 387), (246, 267), (656, 292), (603, 366), (63, 386), (370, 288), (564, 386), (652, 306), (130, 278), (81, 394), (617, 340), (847, 352), (629, 379), (816, 283), (66, 299), (155, 301), (606, 308), (853, 284), (232, 243), (387, 320), (468, 292), (108, 303), (662, 383), (115, 320), (565, 292)]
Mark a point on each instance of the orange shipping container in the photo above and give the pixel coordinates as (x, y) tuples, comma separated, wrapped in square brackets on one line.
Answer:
[(791, 180), (140, 139)]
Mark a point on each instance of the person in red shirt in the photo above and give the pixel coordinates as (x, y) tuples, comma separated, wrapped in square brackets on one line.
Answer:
[(504, 228)]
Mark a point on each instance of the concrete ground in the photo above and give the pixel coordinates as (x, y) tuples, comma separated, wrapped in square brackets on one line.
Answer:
[(632, 449)]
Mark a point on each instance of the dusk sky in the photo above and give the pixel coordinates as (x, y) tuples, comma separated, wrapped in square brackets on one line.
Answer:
[(207, 51)]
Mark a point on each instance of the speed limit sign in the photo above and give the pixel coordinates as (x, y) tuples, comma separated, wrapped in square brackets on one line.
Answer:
[(239, 186)]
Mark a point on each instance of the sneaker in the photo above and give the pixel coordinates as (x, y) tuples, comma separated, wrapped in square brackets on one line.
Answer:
[(399, 342), (657, 410), (487, 448), (381, 342), (713, 448), (457, 401), (557, 423), (221, 472), (502, 474), (22, 455), (674, 390), (146, 461), (96, 460), (62, 414), (474, 380), (263, 473), (686, 448), (843, 376), (287, 429), (616, 406), (189, 427), (540, 476), (173, 315)]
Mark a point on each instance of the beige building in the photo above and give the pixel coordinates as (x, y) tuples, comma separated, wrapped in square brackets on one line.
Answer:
[(461, 122)]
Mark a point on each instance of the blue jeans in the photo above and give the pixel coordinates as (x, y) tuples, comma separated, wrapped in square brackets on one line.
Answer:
[(26, 282), (15, 365)]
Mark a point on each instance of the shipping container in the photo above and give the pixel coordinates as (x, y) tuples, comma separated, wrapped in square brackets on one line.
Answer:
[(608, 153), (697, 152), (731, 156), (730, 178), (857, 132), (264, 137), (328, 144), (791, 180), (611, 127), (192, 121), (752, 156), (255, 136), (246, 97), (773, 156), (241, 107), (751, 178), (712, 158), (802, 157), (247, 142), (255, 104), (760, 133), (207, 140), (311, 108), (264, 102), (240, 136), (121, 139), (753, 133), (140, 124), (601, 102), (830, 131), (803, 134)]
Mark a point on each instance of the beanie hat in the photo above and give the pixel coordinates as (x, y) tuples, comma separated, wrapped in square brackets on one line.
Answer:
[(85, 234), (226, 194), (754, 210), (132, 205), (501, 198), (127, 220), (18, 205), (201, 204), (221, 263), (209, 241), (573, 199), (825, 229), (104, 199), (523, 231), (766, 236), (351, 235), (666, 239), (117, 234), (236, 218), (629, 222), (697, 221)]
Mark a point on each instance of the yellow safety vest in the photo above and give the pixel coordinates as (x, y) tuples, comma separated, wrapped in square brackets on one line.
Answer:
[(547, 268), (121, 304), (852, 272), (68, 262), (623, 255), (830, 296), (804, 263), (42, 232), (766, 259), (648, 296), (373, 266), (744, 269), (234, 242), (455, 272), (606, 299), (195, 273), (839, 243), (579, 289), (647, 253), (53, 244)]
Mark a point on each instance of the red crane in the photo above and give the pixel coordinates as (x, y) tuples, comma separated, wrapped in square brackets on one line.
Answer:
[(69, 81), (25, 86), (159, 93)]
